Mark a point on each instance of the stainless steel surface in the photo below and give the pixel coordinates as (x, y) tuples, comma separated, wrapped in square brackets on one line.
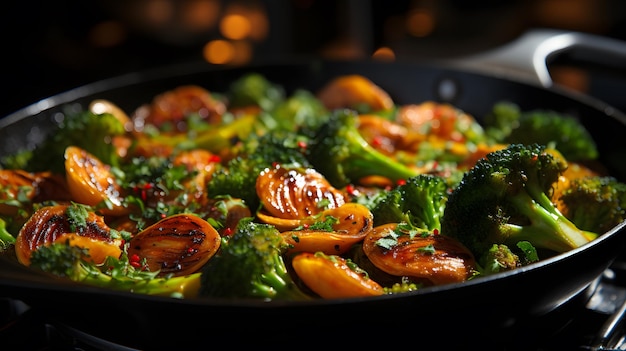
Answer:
[(527, 57)]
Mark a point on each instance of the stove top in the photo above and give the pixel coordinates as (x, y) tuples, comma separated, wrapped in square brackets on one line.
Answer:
[(592, 320)]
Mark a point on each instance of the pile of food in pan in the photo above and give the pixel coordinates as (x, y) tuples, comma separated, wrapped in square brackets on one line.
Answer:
[(258, 193)]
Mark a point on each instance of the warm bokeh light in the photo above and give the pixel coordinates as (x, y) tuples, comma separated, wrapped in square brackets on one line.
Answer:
[(219, 52), (155, 13), (245, 22), (107, 34), (420, 22), (343, 48), (242, 52), (235, 26), (200, 15), (571, 14), (260, 24), (384, 54)]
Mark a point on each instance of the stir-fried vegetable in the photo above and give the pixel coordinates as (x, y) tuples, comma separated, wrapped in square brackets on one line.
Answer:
[(260, 193)]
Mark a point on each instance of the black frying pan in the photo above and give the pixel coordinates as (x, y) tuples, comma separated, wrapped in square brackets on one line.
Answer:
[(475, 313)]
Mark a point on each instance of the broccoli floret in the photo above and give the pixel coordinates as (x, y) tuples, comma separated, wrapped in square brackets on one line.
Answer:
[(343, 156), (302, 111), (501, 257), (69, 261), (500, 122), (225, 212), (277, 111), (504, 199), (72, 130), (249, 264), (508, 124), (594, 203), (405, 285), (419, 201), (498, 258), (17, 160), (6, 239), (254, 89), (237, 177)]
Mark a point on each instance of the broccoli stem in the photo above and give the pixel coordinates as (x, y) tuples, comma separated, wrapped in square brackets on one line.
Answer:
[(222, 138), (549, 229), (278, 284), (181, 286), (368, 161), (546, 203), (344, 156), (6, 239), (215, 140)]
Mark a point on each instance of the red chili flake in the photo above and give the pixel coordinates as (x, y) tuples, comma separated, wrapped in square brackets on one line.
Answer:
[(275, 164), (134, 258), (148, 186), (305, 226), (144, 195), (215, 158), (401, 182), (350, 189), (302, 144), (435, 164), (163, 215), (435, 231), (190, 250), (228, 231), (377, 141)]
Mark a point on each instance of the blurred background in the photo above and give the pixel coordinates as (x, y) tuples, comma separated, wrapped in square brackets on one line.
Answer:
[(52, 46)]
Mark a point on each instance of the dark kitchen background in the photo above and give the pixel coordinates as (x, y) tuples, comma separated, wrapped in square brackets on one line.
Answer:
[(52, 46)]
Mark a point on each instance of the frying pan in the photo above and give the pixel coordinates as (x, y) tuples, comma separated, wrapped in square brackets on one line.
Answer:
[(477, 313)]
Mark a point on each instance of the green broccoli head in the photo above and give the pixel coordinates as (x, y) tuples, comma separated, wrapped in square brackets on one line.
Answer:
[(508, 124), (405, 285), (500, 122), (501, 257), (249, 264), (254, 89), (343, 156), (498, 258), (7, 239), (420, 201), (100, 128), (302, 111), (504, 199), (594, 203), (237, 179)]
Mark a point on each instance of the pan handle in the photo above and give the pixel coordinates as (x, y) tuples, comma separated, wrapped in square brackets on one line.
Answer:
[(528, 56)]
